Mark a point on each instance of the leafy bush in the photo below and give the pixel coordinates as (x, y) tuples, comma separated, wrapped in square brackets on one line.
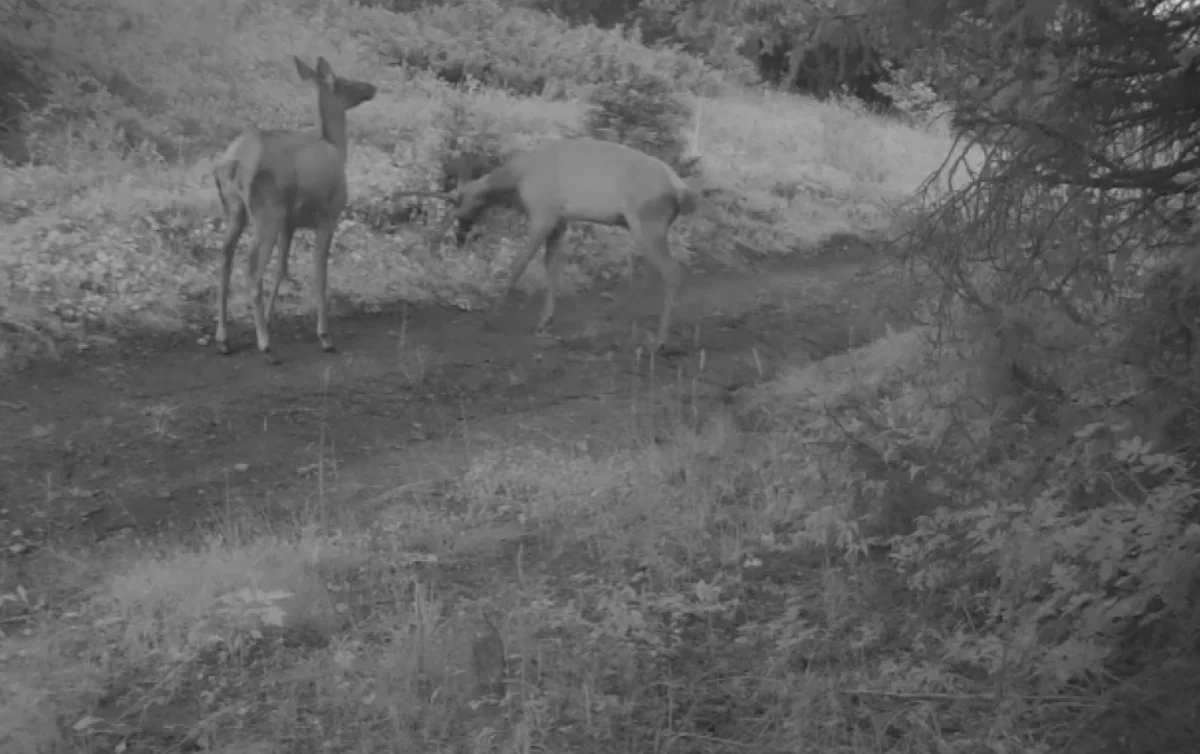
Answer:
[(1060, 546), (1065, 263), (471, 147), (912, 97), (519, 50), (19, 94), (714, 32), (1041, 543), (640, 110), (471, 143)]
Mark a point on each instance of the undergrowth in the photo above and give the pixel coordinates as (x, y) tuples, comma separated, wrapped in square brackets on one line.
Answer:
[(814, 571)]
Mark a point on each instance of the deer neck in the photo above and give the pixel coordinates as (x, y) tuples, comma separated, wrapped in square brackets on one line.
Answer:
[(333, 122)]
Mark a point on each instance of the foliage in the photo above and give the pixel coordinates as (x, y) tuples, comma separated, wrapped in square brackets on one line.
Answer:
[(471, 143), (714, 32), (471, 147), (641, 111), (913, 97), (603, 13), (1085, 194), (521, 51), (1045, 547), (1063, 256), (820, 48), (20, 74)]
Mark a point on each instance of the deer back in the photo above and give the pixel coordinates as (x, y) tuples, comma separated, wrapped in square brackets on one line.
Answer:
[(596, 181), (305, 172)]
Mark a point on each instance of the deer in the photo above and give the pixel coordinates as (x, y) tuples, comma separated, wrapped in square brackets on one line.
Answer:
[(280, 181), (585, 180)]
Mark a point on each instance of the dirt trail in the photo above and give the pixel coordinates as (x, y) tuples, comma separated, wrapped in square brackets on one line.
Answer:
[(162, 437)]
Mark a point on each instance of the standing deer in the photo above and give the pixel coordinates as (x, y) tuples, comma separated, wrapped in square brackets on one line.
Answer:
[(281, 181), (591, 181)]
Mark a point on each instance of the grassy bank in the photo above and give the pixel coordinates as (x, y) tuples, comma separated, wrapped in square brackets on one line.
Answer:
[(698, 584)]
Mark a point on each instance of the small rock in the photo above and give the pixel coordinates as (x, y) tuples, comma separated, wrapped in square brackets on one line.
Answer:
[(241, 467)]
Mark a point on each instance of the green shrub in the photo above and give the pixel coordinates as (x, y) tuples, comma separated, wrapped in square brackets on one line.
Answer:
[(912, 97), (520, 50), (20, 93), (471, 143), (642, 111)]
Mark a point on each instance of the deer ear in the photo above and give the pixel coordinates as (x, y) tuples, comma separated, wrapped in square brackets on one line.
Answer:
[(324, 69)]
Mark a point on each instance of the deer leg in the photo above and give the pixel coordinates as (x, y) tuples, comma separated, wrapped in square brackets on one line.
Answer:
[(281, 272), (236, 223), (265, 236), (321, 261), (553, 261), (538, 233), (653, 241)]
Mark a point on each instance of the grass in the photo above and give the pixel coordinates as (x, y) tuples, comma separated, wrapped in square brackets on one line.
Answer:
[(634, 597), (707, 580)]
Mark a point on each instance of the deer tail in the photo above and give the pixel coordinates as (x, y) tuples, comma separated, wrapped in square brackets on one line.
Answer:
[(235, 170), (687, 200)]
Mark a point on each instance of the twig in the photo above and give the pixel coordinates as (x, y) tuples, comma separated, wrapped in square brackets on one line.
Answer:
[(394, 491), (934, 696), (711, 739), (429, 194), (694, 147)]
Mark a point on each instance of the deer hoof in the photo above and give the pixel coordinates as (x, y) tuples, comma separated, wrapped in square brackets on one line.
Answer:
[(327, 346), (271, 358), (223, 348)]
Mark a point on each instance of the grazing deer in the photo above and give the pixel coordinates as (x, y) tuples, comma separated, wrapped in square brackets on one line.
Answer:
[(281, 181), (591, 181)]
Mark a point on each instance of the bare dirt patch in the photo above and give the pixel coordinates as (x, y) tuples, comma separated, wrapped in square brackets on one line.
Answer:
[(161, 437)]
